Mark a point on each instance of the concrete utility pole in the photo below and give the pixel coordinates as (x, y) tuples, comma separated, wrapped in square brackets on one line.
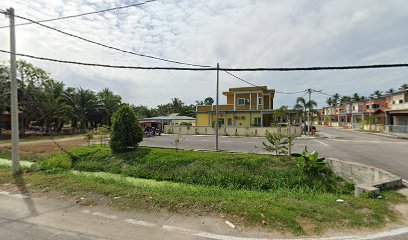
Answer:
[(216, 107), (14, 98), (309, 125)]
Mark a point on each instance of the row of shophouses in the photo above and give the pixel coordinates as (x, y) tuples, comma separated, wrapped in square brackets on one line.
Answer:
[(388, 114)]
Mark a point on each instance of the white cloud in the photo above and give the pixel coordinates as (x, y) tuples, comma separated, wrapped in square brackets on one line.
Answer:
[(239, 33)]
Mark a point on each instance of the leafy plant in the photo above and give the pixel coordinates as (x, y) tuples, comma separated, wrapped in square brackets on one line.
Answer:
[(311, 163), (178, 141), (88, 138), (126, 131), (279, 143), (103, 132)]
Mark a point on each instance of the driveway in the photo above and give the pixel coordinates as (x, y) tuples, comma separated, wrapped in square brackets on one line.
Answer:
[(390, 154)]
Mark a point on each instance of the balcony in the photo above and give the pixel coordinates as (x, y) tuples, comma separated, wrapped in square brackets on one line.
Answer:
[(209, 108), (400, 106)]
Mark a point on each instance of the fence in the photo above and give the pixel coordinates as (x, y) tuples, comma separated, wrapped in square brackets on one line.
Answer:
[(232, 131), (397, 130)]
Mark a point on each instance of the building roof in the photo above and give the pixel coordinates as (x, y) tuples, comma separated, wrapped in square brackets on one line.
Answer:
[(264, 89), (170, 117)]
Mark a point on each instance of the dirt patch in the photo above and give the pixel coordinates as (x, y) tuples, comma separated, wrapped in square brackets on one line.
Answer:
[(48, 147)]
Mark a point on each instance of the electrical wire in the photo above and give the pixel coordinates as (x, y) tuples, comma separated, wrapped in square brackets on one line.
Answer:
[(84, 14), (205, 68), (245, 81), (321, 92), (291, 92), (107, 46)]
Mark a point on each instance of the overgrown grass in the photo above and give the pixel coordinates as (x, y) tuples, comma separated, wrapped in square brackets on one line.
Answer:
[(32, 157), (298, 211), (234, 171)]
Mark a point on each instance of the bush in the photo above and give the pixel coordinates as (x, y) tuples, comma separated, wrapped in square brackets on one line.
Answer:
[(126, 131)]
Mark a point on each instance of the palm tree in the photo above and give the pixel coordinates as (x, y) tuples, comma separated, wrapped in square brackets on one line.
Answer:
[(356, 97), (403, 86), (336, 98), (303, 106), (84, 105), (176, 105), (344, 100), (329, 101), (377, 94), (391, 90), (109, 103)]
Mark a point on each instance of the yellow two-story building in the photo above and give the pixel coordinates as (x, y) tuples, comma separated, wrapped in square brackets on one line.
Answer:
[(246, 107)]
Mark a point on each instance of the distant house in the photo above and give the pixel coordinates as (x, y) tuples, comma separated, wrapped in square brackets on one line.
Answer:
[(172, 119), (397, 112), (246, 107)]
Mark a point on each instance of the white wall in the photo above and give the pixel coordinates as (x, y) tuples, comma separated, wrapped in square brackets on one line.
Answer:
[(230, 131)]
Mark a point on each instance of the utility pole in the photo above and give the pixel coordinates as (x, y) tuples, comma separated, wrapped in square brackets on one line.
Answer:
[(308, 113), (14, 98), (216, 107)]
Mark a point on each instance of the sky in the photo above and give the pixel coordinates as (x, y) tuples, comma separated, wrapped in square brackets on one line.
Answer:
[(234, 33)]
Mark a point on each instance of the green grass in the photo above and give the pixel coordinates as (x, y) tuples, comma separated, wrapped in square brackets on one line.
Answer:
[(228, 170), (287, 210), (32, 157)]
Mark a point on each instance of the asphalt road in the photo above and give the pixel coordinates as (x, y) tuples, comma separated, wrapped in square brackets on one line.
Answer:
[(27, 217), (390, 154)]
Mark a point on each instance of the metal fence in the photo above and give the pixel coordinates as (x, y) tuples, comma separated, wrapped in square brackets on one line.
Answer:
[(398, 128)]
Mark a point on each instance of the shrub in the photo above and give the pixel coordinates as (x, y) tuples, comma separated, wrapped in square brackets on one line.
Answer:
[(310, 163), (88, 137), (279, 144), (126, 131)]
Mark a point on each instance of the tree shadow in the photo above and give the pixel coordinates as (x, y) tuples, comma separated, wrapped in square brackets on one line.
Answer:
[(26, 195)]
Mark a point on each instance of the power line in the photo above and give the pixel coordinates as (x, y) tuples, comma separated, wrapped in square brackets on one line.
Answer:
[(245, 81), (84, 14), (111, 66), (321, 92), (290, 92), (107, 46), (213, 68)]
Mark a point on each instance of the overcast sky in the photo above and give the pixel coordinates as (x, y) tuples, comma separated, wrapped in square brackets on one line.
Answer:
[(235, 33)]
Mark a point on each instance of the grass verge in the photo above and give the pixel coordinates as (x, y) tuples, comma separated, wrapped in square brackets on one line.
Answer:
[(227, 170), (286, 210)]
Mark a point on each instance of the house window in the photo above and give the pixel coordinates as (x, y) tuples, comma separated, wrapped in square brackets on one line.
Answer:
[(241, 101), (401, 101), (393, 102), (258, 121), (229, 122), (259, 101)]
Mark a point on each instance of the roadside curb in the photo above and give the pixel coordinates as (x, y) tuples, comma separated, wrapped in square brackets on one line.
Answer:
[(367, 179)]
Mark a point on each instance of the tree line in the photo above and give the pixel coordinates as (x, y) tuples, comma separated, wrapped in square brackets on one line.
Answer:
[(48, 105), (338, 100)]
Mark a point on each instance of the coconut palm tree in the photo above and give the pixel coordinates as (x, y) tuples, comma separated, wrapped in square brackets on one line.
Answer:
[(391, 90), (356, 97), (377, 94), (403, 86), (336, 98), (344, 100), (303, 105), (329, 101)]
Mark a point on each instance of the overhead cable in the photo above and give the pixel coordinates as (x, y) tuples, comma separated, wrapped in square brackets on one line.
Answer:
[(84, 14), (107, 46)]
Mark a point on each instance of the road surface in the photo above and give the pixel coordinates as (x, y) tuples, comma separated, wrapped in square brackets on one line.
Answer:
[(26, 217), (390, 154)]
